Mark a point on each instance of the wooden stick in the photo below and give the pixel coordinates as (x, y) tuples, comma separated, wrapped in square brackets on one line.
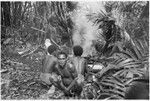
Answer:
[(38, 29)]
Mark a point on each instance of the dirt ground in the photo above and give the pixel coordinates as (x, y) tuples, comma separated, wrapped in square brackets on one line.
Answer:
[(20, 77)]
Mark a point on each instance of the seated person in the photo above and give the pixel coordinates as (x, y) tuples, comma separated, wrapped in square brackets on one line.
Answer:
[(67, 76), (80, 63), (48, 63)]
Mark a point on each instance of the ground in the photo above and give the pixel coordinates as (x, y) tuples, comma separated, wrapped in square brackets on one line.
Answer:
[(20, 77)]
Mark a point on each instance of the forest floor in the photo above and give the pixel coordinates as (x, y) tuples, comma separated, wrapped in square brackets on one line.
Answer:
[(20, 77)]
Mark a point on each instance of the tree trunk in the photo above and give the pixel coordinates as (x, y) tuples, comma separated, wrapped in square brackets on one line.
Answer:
[(5, 13)]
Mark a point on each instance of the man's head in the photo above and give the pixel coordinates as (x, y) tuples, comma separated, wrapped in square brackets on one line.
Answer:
[(51, 49), (77, 50), (62, 58)]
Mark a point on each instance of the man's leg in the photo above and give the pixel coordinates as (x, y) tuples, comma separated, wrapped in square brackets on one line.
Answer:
[(44, 77)]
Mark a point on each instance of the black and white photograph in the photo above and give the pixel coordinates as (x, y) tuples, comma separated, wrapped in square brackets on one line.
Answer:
[(71, 50)]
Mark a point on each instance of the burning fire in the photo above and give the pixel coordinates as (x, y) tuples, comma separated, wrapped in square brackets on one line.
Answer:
[(85, 32)]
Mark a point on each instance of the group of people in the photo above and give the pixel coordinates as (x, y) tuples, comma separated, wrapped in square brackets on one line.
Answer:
[(67, 73)]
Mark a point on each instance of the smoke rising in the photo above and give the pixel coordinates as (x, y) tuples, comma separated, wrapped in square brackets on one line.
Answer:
[(85, 31)]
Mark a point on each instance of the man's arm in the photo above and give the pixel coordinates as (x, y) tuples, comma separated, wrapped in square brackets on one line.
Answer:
[(72, 84), (72, 70), (85, 69), (74, 75), (63, 86)]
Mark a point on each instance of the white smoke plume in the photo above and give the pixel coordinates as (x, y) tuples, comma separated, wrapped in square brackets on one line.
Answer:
[(85, 31)]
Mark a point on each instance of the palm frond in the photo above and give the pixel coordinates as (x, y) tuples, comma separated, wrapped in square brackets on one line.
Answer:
[(112, 86), (107, 96)]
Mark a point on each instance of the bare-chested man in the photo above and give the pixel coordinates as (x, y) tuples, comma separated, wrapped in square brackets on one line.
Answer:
[(48, 62), (67, 76), (80, 63)]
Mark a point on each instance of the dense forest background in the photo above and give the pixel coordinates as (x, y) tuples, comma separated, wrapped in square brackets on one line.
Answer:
[(121, 42)]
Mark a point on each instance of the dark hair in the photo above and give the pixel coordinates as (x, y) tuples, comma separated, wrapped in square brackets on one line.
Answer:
[(77, 50), (61, 52), (51, 49)]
